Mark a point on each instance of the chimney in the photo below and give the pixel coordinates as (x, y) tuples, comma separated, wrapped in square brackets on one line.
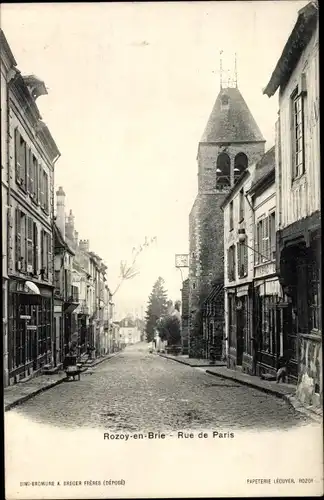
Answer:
[(60, 210), (69, 226), (84, 245)]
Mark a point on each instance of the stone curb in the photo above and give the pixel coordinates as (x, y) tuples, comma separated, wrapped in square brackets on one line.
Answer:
[(268, 390), (288, 398), (101, 360), (24, 398), (181, 361)]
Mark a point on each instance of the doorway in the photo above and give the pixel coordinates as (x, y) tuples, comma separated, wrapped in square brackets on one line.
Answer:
[(240, 329)]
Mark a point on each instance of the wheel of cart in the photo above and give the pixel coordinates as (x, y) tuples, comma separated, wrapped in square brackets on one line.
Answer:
[(71, 367)]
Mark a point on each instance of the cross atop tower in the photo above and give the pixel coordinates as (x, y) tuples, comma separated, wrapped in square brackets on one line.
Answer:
[(228, 76)]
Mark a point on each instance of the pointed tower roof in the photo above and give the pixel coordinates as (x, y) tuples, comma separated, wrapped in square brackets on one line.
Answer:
[(231, 120)]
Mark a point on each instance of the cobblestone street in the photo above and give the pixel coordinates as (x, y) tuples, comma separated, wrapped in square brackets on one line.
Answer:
[(138, 391)]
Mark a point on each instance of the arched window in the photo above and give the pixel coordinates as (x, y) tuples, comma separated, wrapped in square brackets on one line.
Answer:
[(240, 164), (223, 170)]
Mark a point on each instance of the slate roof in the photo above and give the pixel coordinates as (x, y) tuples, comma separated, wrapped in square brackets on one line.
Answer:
[(60, 242), (263, 168), (234, 123), (296, 43)]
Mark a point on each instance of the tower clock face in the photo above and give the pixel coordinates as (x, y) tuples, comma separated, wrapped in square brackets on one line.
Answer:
[(182, 260)]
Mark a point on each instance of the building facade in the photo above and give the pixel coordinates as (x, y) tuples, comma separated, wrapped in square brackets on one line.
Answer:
[(32, 154), (63, 295), (268, 311), (238, 274), (298, 171), (231, 142), (8, 70)]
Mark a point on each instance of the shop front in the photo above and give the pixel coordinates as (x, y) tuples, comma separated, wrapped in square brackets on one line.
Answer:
[(271, 315), (239, 334), (30, 346), (58, 333)]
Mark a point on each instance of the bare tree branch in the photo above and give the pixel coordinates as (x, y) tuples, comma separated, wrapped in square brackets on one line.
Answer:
[(129, 272)]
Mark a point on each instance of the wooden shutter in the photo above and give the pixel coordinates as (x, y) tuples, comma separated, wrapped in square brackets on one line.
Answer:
[(245, 259), (35, 245), (18, 239), (49, 257), (42, 249), (30, 249), (46, 190), (41, 187), (32, 174), (11, 223), (28, 167), (36, 181), (17, 155), (23, 162)]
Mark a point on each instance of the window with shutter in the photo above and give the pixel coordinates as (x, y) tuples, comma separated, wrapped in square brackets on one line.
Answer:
[(42, 249), (17, 156), (35, 250), (265, 239), (231, 216), (23, 227), (18, 240), (46, 191), (28, 168), (23, 163), (30, 256), (32, 175), (49, 256), (298, 133), (245, 258), (41, 187), (272, 235), (37, 196)]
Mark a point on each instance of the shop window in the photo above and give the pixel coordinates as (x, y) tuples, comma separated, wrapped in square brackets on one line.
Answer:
[(314, 296)]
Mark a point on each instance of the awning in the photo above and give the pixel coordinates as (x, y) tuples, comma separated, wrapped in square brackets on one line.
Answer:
[(32, 288)]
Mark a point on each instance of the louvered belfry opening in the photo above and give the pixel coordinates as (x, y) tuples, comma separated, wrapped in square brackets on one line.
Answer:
[(223, 170)]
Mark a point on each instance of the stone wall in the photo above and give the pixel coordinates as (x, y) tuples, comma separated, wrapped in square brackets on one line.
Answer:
[(206, 260)]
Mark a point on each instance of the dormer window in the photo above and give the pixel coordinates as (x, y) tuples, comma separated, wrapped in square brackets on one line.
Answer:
[(224, 102)]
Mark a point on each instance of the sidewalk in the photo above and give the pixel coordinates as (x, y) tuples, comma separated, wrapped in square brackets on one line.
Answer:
[(19, 393), (194, 362), (280, 390)]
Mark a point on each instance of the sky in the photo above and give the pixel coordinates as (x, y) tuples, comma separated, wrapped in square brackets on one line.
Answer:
[(130, 89)]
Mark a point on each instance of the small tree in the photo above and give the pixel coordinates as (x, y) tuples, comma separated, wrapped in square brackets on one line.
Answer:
[(169, 326), (156, 308)]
